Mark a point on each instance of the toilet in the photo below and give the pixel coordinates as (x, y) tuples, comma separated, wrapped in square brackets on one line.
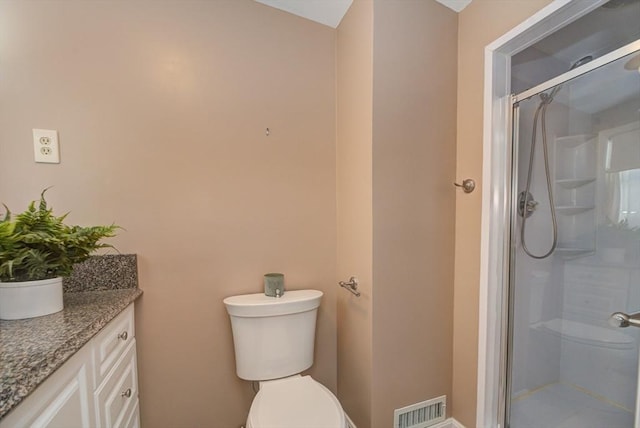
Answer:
[(274, 340)]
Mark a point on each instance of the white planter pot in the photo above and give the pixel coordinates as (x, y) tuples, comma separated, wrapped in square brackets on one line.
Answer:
[(29, 299)]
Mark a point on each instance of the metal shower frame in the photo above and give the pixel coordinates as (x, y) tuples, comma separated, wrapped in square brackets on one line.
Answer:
[(497, 203)]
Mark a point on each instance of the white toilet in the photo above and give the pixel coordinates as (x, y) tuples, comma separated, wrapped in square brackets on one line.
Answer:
[(274, 340)]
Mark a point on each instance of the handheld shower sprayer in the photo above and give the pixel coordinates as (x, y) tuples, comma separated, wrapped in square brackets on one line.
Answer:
[(526, 203)]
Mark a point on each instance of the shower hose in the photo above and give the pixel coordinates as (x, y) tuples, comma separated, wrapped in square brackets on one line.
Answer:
[(540, 112)]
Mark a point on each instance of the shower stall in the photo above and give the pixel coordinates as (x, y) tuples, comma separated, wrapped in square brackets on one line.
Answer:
[(574, 249)]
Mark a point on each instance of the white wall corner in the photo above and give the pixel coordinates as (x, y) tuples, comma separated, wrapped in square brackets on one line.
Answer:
[(456, 5), (326, 12)]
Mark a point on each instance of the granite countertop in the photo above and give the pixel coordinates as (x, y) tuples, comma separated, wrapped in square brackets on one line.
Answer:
[(32, 349)]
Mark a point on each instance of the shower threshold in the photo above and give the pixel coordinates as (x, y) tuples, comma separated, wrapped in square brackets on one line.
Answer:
[(559, 405)]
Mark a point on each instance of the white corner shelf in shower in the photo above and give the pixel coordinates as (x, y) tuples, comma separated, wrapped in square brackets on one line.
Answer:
[(575, 160), (573, 209), (574, 183), (575, 193), (574, 253), (572, 141)]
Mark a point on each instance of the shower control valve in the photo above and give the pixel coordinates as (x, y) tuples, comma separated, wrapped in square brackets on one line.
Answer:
[(530, 207)]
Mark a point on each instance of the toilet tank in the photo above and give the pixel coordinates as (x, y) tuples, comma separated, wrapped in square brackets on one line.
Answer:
[(273, 337)]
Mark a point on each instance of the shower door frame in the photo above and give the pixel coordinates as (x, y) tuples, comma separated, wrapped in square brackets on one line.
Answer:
[(497, 201), (631, 48)]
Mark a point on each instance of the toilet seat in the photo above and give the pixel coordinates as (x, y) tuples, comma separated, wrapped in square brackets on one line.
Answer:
[(295, 402)]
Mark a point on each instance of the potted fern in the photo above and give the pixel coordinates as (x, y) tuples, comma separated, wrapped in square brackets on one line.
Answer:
[(37, 249)]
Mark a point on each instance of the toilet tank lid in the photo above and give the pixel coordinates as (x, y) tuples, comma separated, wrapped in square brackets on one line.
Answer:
[(259, 305)]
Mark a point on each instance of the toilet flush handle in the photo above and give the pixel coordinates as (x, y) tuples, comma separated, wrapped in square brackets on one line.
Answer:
[(351, 286)]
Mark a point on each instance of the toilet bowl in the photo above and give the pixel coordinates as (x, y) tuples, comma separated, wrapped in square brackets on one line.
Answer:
[(295, 402), (274, 341)]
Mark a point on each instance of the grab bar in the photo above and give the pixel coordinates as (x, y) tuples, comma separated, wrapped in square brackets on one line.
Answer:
[(351, 286)]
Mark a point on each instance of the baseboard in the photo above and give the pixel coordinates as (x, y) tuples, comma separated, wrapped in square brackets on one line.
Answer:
[(449, 423), (350, 423)]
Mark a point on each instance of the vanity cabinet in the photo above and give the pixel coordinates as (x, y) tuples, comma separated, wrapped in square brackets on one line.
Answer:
[(96, 387)]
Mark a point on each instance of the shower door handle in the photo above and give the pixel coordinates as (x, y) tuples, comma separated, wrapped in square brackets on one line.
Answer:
[(620, 319)]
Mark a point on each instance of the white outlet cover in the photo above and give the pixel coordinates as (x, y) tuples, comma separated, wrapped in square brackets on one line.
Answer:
[(46, 148)]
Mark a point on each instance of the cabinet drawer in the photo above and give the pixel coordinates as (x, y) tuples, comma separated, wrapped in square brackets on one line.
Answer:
[(118, 394), (111, 342)]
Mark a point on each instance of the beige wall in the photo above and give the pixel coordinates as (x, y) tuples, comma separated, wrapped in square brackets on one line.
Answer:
[(479, 24), (414, 135), (354, 208), (161, 109), (395, 164)]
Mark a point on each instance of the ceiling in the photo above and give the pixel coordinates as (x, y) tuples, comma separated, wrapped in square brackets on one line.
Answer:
[(330, 12), (599, 32)]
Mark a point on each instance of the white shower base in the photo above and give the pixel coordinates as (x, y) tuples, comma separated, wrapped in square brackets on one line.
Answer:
[(563, 406)]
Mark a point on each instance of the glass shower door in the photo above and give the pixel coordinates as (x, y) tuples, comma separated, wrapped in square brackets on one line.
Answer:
[(575, 265)]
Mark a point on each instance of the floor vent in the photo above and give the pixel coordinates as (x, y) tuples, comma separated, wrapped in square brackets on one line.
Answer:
[(421, 415)]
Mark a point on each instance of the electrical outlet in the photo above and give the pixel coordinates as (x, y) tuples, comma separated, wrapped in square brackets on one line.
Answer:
[(45, 146)]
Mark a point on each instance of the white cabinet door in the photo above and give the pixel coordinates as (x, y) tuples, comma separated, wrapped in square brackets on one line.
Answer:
[(69, 408), (134, 418), (63, 401)]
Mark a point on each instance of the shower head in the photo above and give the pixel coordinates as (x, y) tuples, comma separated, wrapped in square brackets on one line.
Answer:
[(615, 4), (581, 61), (633, 64)]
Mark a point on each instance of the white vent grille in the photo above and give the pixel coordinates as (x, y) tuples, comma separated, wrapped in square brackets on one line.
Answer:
[(421, 415)]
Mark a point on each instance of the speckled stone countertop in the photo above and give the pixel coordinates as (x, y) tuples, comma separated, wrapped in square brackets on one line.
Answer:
[(105, 272), (32, 349)]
